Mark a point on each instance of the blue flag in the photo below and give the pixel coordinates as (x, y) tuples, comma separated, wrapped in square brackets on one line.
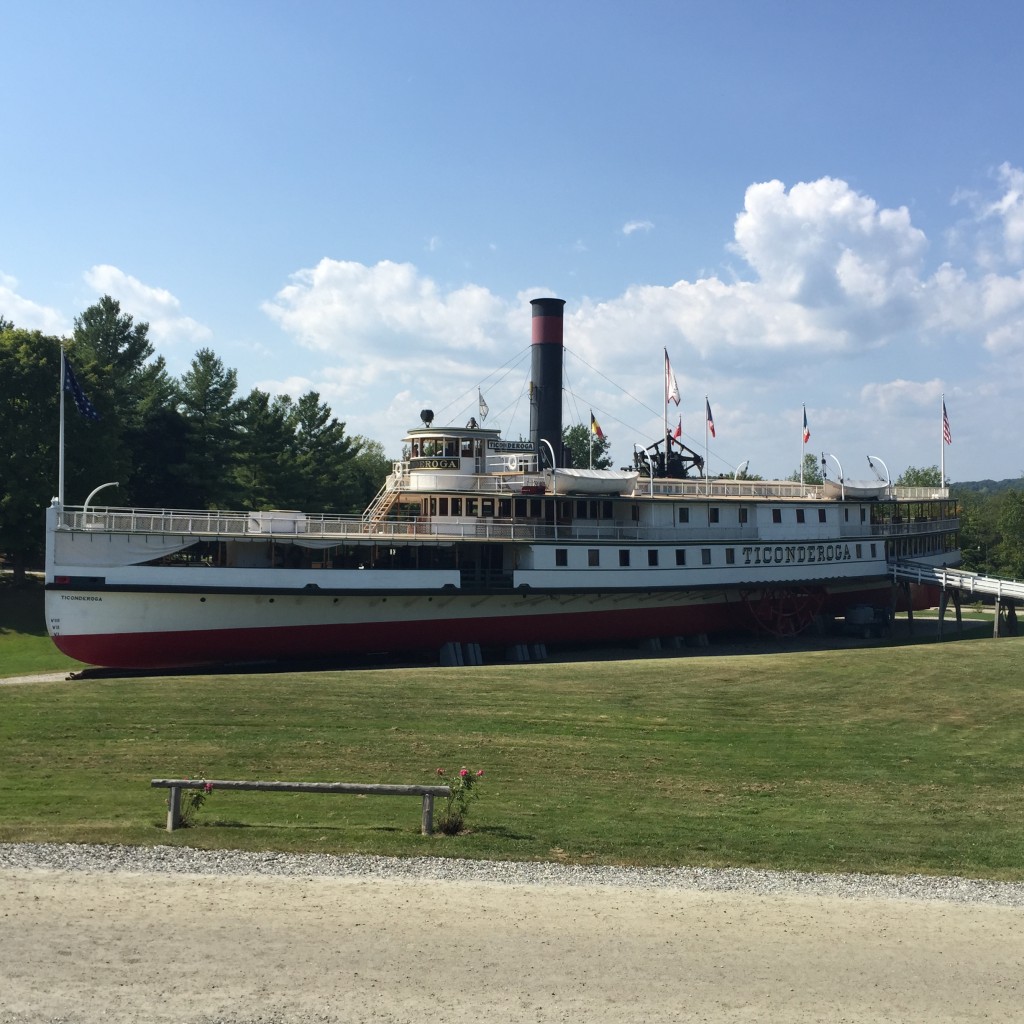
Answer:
[(74, 389)]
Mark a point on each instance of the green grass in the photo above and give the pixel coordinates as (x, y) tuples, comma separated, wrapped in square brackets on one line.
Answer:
[(880, 759), (25, 646)]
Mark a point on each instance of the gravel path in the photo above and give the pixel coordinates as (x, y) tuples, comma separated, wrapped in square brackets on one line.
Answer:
[(123, 934)]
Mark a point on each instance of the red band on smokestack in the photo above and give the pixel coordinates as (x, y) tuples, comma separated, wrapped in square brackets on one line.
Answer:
[(547, 321)]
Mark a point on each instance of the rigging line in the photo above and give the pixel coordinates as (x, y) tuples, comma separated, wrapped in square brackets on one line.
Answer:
[(509, 365), (613, 383)]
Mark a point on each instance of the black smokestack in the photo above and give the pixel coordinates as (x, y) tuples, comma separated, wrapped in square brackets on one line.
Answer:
[(546, 377)]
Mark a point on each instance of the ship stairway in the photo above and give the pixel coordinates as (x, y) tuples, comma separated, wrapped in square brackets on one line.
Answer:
[(961, 583), (381, 505)]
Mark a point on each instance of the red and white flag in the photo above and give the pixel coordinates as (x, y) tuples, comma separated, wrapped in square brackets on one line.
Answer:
[(711, 421), (946, 435), (678, 432)]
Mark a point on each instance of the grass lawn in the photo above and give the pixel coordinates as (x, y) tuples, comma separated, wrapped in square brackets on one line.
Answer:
[(25, 646), (880, 759)]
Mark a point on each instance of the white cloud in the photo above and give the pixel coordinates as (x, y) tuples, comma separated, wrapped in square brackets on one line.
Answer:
[(27, 314), (636, 225), (157, 306), (344, 307)]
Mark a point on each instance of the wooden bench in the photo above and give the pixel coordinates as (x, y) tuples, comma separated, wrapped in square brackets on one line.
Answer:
[(427, 793)]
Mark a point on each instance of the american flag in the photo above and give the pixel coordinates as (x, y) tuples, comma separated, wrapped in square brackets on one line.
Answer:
[(711, 421), (74, 389), (946, 435)]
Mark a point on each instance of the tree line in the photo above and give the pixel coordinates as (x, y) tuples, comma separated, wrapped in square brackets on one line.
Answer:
[(190, 442)]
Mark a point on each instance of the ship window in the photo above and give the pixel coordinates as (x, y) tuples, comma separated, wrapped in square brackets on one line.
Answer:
[(652, 556), (442, 506), (858, 551), (730, 556), (742, 515), (565, 510), (846, 515), (623, 556), (606, 510), (776, 515), (581, 510), (712, 515), (821, 515), (680, 556), (520, 507), (594, 556), (487, 508), (872, 550), (456, 506), (451, 449), (467, 448), (635, 513), (705, 556), (863, 514), (561, 556), (800, 515), (504, 507), (535, 508), (684, 515), (433, 506), (472, 506)]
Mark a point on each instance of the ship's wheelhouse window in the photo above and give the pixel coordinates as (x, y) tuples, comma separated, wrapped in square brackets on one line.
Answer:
[(623, 556), (730, 556), (652, 556), (487, 508), (472, 506), (684, 515), (705, 556), (776, 515), (680, 556), (467, 447), (800, 515), (742, 512), (593, 556), (442, 506), (456, 506), (712, 515), (821, 515), (451, 449), (561, 556)]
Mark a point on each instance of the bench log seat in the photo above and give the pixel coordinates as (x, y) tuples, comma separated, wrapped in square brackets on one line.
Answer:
[(427, 793)]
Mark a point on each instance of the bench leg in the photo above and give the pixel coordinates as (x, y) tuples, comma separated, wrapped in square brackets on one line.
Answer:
[(427, 825), (173, 808)]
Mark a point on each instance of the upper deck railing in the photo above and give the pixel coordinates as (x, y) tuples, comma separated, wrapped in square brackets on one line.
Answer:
[(299, 527)]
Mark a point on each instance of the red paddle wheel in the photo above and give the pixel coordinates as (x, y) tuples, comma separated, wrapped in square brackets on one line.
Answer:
[(783, 611)]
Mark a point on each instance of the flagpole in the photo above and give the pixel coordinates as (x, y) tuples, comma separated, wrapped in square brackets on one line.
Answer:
[(707, 457), (942, 441), (803, 447), (665, 405), (60, 441)]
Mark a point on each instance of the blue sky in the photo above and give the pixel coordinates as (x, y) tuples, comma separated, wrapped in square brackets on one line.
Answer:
[(804, 203)]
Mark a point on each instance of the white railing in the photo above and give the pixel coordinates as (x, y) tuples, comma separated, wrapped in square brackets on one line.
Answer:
[(959, 579)]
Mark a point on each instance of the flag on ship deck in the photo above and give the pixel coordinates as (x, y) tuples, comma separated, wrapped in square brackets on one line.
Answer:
[(946, 435), (484, 410), (711, 420), (807, 430), (678, 432), (595, 427), (671, 387), (74, 389)]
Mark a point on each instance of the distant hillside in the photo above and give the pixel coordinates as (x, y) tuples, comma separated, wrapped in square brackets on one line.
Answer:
[(988, 486)]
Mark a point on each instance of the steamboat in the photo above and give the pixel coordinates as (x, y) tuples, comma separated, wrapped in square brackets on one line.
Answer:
[(477, 543)]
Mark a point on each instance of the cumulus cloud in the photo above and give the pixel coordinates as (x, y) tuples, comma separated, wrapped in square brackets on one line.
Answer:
[(27, 314), (632, 226), (344, 307), (157, 306)]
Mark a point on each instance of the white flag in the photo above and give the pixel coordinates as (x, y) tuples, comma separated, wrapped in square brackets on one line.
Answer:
[(671, 387), (483, 405)]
